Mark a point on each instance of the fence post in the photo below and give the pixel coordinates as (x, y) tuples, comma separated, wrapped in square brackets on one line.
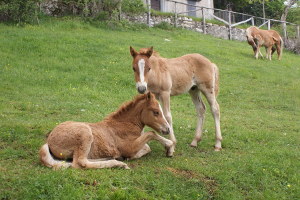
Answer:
[(298, 32), (252, 21), (229, 21), (269, 24), (176, 16), (284, 32), (203, 21), (148, 13)]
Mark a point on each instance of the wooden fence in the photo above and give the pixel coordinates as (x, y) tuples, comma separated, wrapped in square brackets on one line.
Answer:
[(228, 19)]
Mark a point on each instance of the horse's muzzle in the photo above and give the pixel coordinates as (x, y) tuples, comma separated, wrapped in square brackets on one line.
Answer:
[(141, 89)]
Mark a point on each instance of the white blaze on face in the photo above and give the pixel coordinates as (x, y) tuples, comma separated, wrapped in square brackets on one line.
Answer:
[(142, 82)]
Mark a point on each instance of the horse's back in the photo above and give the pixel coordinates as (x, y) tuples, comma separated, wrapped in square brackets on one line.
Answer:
[(194, 60), (189, 70)]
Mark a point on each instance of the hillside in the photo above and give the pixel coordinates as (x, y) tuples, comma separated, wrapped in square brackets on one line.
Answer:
[(69, 70)]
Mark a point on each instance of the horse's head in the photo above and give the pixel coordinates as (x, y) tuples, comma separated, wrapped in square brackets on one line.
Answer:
[(141, 67), (153, 116)]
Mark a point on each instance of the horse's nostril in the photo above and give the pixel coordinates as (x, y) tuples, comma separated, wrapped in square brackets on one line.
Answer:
[(141, 89)]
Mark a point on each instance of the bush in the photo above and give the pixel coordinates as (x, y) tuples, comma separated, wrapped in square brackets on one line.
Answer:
[(133, 7), (294, 15), (164, 26), (18, 11)]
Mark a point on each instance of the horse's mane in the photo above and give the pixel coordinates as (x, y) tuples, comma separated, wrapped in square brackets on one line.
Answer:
[(249, 31), (127, 106)]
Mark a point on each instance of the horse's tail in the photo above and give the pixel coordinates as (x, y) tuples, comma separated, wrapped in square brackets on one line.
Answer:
[(47, 159), (216, 76), (281, 47)]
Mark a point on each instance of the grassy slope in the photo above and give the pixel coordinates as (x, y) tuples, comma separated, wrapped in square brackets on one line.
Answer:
[(67, 70)]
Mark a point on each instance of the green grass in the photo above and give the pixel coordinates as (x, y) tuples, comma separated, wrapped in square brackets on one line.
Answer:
[(68, 70)]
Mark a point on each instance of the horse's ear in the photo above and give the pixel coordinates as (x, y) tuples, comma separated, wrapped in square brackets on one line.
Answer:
[(133, 52), (149, 95), (149, 52)]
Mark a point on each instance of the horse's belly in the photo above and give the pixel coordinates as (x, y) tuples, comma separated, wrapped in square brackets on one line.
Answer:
[(103, 147), (181, 86)]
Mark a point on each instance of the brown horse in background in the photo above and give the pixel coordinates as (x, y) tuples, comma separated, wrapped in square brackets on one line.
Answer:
[(165, 77), (270, 39), (98, 145)]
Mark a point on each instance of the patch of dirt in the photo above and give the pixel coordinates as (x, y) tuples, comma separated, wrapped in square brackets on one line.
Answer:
[(210, 183)]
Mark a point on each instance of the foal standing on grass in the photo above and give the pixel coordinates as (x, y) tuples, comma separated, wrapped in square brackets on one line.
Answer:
[(270, 39), (97, 145), (165, 77)]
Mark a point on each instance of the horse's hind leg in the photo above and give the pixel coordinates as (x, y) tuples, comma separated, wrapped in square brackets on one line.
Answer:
[(214, 106), (278, 48), (145, 150), (200, 109), (80, 156), (273, 49)]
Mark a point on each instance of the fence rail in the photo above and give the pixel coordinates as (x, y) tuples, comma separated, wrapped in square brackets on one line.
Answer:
[(228, 18)]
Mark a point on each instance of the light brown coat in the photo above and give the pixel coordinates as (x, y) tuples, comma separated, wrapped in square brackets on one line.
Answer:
[(118, 136), (167, 77)]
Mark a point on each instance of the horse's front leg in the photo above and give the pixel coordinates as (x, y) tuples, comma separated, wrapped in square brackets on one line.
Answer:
[(164, 98), (200, 109), (140, 148), (257, 51)]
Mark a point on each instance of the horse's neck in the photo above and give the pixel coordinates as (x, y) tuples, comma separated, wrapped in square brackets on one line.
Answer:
[(159, 71), (130, 116), (158, 65), (126, 128)]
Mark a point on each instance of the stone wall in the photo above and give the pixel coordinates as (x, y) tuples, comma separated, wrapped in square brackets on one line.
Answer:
[(187, 23)]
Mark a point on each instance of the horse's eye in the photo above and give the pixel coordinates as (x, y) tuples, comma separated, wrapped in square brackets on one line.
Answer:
[(155, 113), (149, 69)]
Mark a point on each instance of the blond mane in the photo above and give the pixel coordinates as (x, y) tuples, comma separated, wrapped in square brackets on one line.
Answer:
[(144, 51)]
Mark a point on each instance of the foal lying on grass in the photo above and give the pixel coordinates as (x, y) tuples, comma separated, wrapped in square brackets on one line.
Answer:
[(98, 145)]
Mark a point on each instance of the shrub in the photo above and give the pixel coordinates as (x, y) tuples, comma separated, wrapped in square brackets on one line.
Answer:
[(133, 6), (18, 11), (164, 26)]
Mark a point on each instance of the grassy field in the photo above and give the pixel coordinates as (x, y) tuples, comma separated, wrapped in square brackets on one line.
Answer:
[(68, 70)]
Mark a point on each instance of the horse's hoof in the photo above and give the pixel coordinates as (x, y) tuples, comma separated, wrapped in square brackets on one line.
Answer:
[(170, 151), (169, 154), (126, 167), (193, 144), (218, 148)]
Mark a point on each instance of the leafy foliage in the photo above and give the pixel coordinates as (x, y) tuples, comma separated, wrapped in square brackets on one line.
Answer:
[(273, 8), (18, 11), (294, 15), (133, 6)]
